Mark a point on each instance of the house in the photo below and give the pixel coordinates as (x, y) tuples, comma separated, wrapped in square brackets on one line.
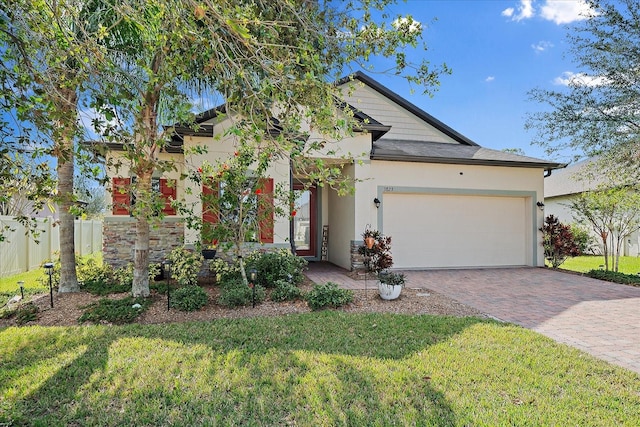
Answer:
[(445, 201), (564, 186)]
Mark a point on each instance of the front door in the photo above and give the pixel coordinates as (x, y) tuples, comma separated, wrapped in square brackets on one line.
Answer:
[(304, 221)]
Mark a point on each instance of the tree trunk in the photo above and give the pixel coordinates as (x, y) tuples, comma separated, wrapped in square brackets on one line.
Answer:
[(140, 287), (65, 155)]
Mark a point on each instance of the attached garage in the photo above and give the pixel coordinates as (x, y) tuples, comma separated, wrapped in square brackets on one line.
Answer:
[(459, 230)]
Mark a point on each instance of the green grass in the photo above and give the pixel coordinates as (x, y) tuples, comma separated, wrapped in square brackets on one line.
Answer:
[(582, 264), (32, 285), (326, 368)]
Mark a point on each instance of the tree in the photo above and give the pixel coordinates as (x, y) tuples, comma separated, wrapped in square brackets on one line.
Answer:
[(613, 214), (273, 62), (599, 112), (45, 56), (558, 241)]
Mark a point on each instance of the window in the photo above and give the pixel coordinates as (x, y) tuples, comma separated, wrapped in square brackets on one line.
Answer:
[(259, 204), (124, 200)]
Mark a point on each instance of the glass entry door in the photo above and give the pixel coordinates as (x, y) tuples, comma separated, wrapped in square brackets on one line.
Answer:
[(304, 221)]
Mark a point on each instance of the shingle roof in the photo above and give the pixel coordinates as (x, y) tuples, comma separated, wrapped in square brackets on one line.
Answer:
[(567, 181), (438, 152)]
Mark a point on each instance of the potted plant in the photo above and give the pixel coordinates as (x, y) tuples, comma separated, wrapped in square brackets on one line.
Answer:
[(209, 250), (378, 260), (390, 284)]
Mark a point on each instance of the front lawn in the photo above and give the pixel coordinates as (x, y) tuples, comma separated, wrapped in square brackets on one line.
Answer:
[(582, 264), (326, 368)]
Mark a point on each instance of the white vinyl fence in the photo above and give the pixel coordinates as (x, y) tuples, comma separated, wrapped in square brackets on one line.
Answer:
[(20, 253)]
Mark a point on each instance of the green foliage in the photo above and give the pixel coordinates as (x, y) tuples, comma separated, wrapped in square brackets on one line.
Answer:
[(392, 278), (117, 311), (235, 294), (583, 238), (354, 369), (189, 298), (328, 295), (285, 291), (280, 265), (26, 313), (123, 276), (616, 277), (225, 271), (23, 313), (185, 266)]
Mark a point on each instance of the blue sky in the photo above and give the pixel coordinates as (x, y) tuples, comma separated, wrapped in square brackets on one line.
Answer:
[(498, 50)]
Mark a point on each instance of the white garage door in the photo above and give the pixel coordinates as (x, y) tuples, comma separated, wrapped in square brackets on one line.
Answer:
[(431, 231)]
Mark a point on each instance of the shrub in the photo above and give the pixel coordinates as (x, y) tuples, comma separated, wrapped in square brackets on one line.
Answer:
[(185, 266), (583, 238), (123, 276), (225, 271), (614, 276), (115, 311), (23, 313), (391, 278), (236, 294), (277, 265), (328, 295), (285, 291), (558, 241), (189, 298), (26, 313)]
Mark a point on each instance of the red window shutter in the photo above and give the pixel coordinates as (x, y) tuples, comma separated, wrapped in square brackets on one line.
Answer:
[(209, 214), (265, 210), (168, 193), (120, 195)]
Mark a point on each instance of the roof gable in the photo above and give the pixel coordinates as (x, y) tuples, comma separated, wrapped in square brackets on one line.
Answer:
[(407, 121)]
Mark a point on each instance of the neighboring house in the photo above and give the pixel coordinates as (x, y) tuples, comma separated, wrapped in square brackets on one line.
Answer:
[(445, 201), (563, 186)]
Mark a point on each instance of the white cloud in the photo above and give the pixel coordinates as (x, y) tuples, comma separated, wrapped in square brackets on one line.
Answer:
[(525, 11), (558, 11), (541, 46), (565, 12), (579, 79), (489, 79), (508, 12)]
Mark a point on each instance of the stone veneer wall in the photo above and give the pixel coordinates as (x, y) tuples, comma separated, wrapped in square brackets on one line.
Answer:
[(119, 235), (357, 261)]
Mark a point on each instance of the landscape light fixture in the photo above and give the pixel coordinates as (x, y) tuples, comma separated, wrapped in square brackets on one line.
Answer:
[(376, 202), (21, 285), (166, 265), (253, 276), (49, 267)]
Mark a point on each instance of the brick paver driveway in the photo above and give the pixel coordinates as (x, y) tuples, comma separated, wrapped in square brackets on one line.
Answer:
[(598, 317)]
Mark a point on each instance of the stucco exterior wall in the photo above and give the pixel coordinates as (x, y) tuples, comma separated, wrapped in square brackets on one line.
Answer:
[(384, 177), (341, 219)]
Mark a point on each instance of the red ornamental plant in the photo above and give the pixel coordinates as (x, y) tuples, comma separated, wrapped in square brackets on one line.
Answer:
[(558, 241), (377, 258)]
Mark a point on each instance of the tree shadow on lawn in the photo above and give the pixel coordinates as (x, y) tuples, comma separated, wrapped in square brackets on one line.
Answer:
[(318, 368)]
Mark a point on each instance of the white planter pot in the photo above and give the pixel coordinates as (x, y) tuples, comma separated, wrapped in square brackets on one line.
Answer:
[(389, 292)]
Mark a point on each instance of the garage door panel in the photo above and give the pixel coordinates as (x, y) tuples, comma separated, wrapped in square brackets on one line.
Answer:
[(455, 231)]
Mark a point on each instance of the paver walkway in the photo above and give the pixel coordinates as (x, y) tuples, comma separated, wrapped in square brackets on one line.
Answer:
[(598, 317)]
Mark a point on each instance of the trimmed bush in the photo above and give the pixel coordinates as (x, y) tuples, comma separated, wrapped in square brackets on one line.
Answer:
[(612, 276), (236, 294), (285, 291), (115, 311), (189, 298), (277, 265), (328, 295)]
